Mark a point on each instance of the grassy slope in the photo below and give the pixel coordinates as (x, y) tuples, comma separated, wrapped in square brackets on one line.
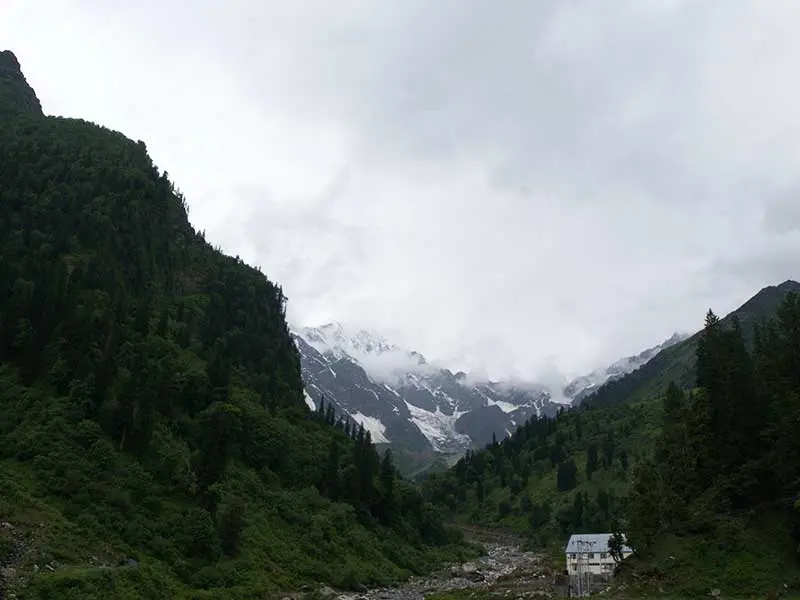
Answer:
[(292, 537), (743, 559)]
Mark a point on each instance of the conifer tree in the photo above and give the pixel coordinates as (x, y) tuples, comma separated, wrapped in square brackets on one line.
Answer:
[(591, 461), (566, 477), (330, 478), (387, 477)]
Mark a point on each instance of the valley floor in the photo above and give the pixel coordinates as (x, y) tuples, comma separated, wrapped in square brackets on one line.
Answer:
[(507, 571), (504, 570)]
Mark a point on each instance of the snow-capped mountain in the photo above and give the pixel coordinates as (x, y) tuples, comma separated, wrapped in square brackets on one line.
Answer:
[(419, 407), (582, 386), (403, 400)]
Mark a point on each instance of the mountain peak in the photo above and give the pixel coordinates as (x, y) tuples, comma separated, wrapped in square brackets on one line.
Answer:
[(582, 386), (763, 304), (336, 339), (8, 60), (16, 96), (790, 285)]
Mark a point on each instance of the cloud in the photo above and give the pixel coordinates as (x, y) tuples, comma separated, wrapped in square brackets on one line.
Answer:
[(520, 189), (383, 360)]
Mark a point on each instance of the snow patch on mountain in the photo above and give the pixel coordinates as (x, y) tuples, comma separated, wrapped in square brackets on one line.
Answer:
[(384, 361), (506, 407), (377, 430), (438, 428), (309, 401)]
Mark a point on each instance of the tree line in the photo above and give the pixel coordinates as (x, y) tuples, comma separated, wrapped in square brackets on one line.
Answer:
[(730, 447)]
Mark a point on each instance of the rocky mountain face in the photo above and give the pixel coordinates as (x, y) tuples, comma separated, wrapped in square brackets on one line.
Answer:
[(17, 98), (405, 401), (413, 405)]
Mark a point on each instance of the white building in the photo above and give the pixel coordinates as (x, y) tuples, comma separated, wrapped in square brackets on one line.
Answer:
[(589, 562)]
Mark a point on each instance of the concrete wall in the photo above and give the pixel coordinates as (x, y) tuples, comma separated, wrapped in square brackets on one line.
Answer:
[(596, 563)]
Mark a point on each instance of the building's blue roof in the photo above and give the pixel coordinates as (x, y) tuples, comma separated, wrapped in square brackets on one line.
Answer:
[(597, 542)]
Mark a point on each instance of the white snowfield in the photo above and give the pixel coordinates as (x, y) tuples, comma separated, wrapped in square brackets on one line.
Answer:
[(437, 427), (377, 430)]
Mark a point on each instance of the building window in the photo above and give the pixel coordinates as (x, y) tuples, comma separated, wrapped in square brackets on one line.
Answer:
[(591, 554), (602, 555)]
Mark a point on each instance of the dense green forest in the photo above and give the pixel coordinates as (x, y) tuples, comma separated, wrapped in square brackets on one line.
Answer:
[(154, 440), (707, 471), (724, 479), (552, 477)]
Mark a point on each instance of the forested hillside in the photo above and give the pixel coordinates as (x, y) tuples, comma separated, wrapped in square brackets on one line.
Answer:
[(677, 363), (571, 473), (696, 462), (154, 440), (552, 477), (724, 480)]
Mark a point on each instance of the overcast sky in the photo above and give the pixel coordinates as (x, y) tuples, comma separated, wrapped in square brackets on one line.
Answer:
[(518, 187)]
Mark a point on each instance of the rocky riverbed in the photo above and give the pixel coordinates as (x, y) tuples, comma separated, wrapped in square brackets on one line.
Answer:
[(505, 571)]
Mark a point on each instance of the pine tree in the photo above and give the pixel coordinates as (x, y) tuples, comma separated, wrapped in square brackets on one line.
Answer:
[(578, 507), (674, 457), (591, 461), (480, 491), (330, 478), (231, 525), (646, 507), (608, 449), (566, 477), (729, 414), (387, 477)]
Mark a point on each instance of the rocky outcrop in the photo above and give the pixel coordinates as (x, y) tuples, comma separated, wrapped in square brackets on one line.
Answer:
[(504, 569), (16, 96)]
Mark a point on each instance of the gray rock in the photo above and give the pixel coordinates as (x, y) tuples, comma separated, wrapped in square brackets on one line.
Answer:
[(326, 591), (469, 568)]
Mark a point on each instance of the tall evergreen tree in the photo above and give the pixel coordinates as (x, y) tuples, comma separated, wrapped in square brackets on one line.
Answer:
[(387, 478), (330, 478), (591, 461)]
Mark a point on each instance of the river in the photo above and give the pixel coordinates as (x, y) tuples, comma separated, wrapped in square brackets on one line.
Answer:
[(505, 571)]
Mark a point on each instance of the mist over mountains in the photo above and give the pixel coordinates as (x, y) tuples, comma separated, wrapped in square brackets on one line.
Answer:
[(424, 408)]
